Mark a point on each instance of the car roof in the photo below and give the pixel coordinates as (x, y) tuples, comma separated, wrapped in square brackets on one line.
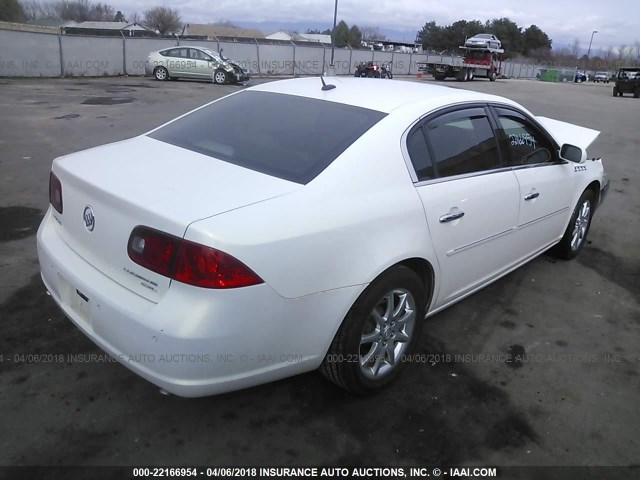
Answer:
[(378, 94), (186, 46)]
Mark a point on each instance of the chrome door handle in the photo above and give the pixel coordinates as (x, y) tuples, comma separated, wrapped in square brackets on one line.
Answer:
[(449, 217), (531, 196)]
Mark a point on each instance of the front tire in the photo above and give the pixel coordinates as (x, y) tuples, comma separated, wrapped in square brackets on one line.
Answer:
[(381, 328), (161, 73), (575, 236), (220, 77)]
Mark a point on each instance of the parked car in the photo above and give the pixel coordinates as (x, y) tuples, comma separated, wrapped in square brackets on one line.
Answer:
[(194, 62), (307, 223), (580, 77), (601, 77), (627, 81), (485, 40)]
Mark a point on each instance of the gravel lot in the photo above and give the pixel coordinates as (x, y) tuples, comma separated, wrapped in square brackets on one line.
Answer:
[(540, 368)]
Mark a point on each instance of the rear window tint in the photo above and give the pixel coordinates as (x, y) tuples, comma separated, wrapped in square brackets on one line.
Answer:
[(286, 136)]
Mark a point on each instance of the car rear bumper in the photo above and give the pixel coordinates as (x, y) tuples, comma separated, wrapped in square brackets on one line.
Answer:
[(194, 342)]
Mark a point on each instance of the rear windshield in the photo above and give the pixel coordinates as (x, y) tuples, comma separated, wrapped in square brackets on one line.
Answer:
[(286, 136)]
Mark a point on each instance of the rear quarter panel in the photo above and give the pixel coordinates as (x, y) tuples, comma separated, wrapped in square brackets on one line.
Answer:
[(356, 219)]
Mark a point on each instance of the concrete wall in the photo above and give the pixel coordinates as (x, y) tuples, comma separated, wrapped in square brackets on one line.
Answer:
[(309, 60), (243, 53), (92, 56), (44, 54), (29, 54), (137, 50)]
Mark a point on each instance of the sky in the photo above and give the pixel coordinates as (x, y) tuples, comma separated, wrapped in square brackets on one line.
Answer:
[(563, 20)]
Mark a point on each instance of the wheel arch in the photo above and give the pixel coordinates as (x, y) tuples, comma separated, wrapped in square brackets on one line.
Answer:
[(420, 266), (423, 268), (595, 188)]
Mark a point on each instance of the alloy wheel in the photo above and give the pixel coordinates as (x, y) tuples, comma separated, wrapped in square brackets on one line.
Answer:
[(581, 225), (387, 333)]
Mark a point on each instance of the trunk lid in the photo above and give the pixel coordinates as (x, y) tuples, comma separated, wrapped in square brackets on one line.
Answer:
[(143, 181)]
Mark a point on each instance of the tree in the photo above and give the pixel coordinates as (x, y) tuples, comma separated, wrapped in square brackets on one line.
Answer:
[(535, 40), (163, 19), (31, 9), (355, 37), (11, 11), (431, 37), (135, 17), (575, 48), (341, 34), (370, 34), (78, 10), (317, 31), (119, 17), (509, 33)]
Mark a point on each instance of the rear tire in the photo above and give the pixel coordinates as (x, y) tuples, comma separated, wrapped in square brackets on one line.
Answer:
[(615, 92), (161, 73), (381, 329), (636, 94), (575, 236)]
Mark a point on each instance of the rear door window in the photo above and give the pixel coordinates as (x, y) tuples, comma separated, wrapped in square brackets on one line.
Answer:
[(419, 154), (463, 142)]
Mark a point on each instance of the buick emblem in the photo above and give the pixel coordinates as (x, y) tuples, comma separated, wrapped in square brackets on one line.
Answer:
[(89, 218)]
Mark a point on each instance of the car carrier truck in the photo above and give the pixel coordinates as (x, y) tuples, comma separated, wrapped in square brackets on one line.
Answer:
[(476, 62)]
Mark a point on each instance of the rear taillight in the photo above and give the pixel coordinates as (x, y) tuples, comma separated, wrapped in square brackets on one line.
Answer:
[(188, 262), (55, 192), (153, 249)]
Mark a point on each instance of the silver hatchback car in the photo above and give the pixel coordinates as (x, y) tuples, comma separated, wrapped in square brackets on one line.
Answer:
[(194, 62)]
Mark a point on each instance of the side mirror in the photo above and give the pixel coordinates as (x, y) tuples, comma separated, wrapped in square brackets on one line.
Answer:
[(571, 153)]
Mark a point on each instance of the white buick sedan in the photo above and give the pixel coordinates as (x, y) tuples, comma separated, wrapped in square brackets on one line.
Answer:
[(290, 227)]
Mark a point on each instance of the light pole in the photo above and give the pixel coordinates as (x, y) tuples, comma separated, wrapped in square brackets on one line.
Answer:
[(333, 33), (589, 50), (590, 42)]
